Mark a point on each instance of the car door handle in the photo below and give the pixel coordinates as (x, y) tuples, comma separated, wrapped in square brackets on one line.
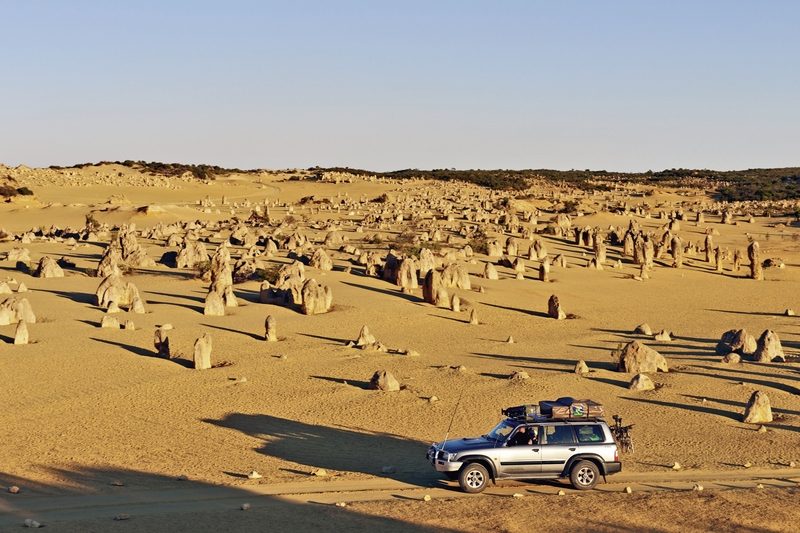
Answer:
[(572, 449), (536, 449)]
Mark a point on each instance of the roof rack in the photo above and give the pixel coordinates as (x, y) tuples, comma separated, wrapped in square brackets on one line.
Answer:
[(545, 418)]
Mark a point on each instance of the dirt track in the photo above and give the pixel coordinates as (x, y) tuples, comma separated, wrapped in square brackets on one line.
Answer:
[(53, 510)]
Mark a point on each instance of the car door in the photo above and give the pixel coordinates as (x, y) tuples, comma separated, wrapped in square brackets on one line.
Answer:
[(558, 445), (518, 460)]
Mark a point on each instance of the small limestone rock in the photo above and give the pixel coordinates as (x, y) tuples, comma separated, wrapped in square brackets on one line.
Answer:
[(628, 490), (519, 375), (788, 312), (769, 348), (663, 336), (202, 352), (758, 409), (433, 399), (581, 368), (270, 329), (245, 507), (697, 487), (320, 472), (561, 493), (732, 358), (13, 489), (637, 358), (388, 470), (21, 333), (510, 340), (254, 475), (29, 522), (554, 308), (760, 486), (676, 466), (426, 498), (109, 322), (517, 495), (762, 429), (122, 516), (473, 317), (748, 464), (384, 381), (641, 382), (643, 329), (341, 504)]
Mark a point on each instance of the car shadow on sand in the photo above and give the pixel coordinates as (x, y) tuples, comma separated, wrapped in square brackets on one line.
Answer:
[(85, 499), (336, 448)]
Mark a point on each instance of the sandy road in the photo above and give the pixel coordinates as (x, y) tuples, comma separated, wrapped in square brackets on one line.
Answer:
[(14, 509)]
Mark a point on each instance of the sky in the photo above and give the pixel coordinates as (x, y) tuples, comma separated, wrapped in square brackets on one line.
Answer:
[(615, 85)]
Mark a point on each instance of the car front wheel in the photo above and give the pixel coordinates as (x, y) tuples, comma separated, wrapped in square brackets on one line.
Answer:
[(473, 478), (584, 475)]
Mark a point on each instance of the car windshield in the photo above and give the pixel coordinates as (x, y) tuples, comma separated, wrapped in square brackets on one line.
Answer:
[(501, 431)]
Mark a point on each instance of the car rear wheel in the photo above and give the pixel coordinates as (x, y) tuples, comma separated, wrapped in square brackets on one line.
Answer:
[(473, 478), (584, 475)]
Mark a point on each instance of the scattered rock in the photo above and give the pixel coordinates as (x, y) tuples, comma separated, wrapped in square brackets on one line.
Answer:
[(270, 329), (641, 382), (581, 368), (758, 409), (554, 309), (202, 352), (636, 358), (384, 381), (643, 329), (769, 348), (254, 475), (519, 375)]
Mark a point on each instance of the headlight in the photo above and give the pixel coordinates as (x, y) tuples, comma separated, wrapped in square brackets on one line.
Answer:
[(451, 456)]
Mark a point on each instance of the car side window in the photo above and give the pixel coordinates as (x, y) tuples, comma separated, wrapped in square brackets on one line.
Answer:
[(560, 435), (589, 434)]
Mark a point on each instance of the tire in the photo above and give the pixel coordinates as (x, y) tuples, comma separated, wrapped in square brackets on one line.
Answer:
[(473, 478), (452, 476), (584, 475)]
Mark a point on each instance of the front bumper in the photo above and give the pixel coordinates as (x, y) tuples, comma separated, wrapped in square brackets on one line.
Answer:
[(440, 463)]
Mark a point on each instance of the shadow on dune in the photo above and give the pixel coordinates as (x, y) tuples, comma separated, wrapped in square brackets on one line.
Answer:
[(762, 382), (144, 352), (740, 405), (84, 500), (335, 448), (567, 363), (195, 308), (363, 385), (710, 410), (77, 297), (517, 310), (396, 293), (254, 336)]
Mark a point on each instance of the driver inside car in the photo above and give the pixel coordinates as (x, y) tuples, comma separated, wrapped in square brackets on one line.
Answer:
[(524, 436)]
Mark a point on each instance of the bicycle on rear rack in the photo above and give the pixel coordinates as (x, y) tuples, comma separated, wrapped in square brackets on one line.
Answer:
[(622, 435)]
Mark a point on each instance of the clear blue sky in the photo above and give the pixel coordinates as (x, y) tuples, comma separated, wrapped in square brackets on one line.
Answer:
[(622, 85)]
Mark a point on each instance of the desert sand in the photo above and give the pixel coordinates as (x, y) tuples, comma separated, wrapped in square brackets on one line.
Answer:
[(85, 406)]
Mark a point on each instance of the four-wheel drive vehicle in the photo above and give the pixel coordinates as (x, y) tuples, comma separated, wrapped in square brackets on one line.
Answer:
[(581, 449)]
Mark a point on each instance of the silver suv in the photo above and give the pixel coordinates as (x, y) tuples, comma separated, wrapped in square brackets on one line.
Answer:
[(580, 449)]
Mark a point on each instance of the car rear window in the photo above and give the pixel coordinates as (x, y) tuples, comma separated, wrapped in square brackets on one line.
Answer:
[(590, 434), (560, 435)]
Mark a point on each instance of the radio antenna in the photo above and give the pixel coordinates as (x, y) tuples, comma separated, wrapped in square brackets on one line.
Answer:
[(455, 409)]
